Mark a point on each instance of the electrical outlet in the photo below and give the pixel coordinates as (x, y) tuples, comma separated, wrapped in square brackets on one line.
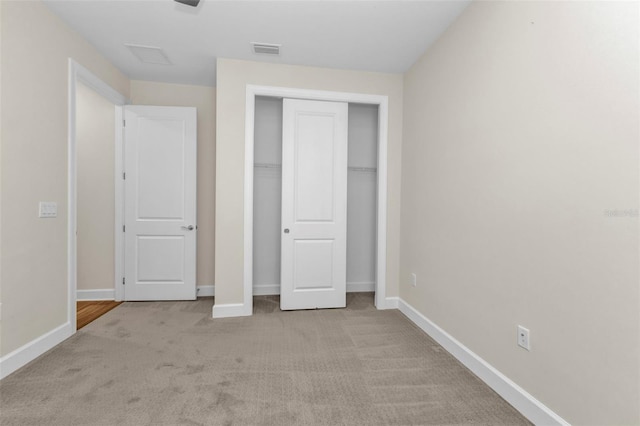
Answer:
[(413, 280), (523, 338), (48, 209)]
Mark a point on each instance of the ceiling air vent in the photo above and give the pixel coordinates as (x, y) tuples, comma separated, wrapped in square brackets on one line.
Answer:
[(149, 54), (192, 3), (266, 48)]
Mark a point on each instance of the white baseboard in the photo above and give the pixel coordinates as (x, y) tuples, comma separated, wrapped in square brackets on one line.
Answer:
[(110, 294), (361, 287), (521, 400), (389, 303), (239, 310), (230, 310), (97, 294), (206, 290), (266, 289), (27, 353)]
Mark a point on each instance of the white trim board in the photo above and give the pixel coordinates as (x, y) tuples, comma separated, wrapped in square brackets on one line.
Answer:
[(241, 309), (96, 294), (27, 353), (319, 95), (389, 303), (361, 287), (119, 204), (521, 400), (266, 289), (110, 294), (231, 310)]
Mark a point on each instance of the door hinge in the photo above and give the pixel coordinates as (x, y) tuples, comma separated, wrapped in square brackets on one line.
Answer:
[(122, 280), (124, 123), (123, 228), (124, 175)]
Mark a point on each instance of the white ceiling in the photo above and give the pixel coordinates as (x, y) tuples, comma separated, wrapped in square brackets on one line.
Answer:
[(384, 36)]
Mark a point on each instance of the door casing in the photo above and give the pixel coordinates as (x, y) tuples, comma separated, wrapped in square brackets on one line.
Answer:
[(78, 73), (381, 222)]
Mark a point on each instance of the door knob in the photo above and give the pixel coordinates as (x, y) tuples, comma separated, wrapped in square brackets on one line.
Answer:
[(286, 231), (187, 228)]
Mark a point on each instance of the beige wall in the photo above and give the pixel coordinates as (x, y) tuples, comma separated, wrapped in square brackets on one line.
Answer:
[(521, 131), (35, 49), (520, 135), (204, 99), (1, 32), (95, 144), (232, 79)]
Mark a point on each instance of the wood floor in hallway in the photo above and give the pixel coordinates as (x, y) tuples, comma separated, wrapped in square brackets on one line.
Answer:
[(89, 310)]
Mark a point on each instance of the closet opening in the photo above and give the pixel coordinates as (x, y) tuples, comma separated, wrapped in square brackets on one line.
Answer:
[(269, 162), (362, 196)]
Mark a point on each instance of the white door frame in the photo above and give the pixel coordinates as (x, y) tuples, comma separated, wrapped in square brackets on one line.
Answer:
[(80, 74), (318, 95)]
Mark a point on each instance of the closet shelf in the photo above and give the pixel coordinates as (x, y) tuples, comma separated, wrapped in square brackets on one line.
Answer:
[(363, 169), (267, 166)]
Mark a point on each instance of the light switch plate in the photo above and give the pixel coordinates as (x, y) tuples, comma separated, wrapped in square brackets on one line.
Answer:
[(48, 209)]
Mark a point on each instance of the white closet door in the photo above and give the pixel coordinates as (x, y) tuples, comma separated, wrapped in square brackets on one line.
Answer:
[(160, 203), (314, 204)]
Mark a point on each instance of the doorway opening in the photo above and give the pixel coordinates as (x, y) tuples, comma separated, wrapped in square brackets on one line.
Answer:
[(362, 144), (95, 213), (89, 186)]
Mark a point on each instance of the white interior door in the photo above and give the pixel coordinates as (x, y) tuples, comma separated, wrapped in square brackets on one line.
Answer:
[(160, 203), (314, 204)]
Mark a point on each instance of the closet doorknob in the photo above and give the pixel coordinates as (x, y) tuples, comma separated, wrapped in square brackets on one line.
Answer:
[(286, 231), (187, 228)]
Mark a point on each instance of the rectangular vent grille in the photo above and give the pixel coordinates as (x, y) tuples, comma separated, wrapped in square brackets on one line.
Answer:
[(149, 54), (266, 49)]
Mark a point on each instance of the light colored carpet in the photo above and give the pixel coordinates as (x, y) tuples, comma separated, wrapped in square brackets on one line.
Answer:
[(169, 363)]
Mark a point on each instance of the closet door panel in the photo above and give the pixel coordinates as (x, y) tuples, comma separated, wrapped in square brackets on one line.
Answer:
[(314, 205)]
